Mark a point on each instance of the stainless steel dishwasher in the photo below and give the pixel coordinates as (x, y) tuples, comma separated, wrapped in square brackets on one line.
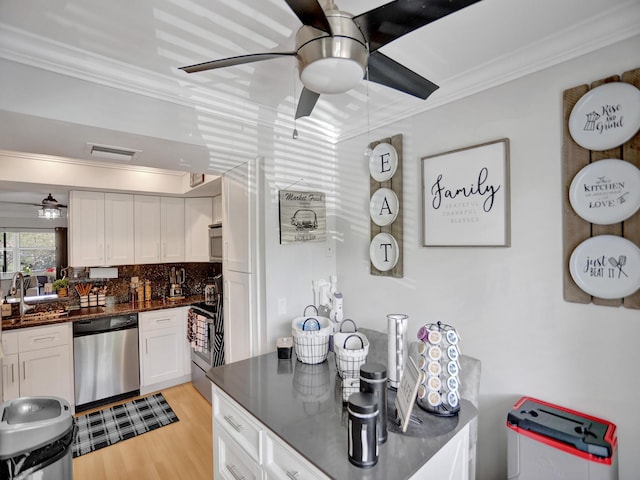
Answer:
[(105, 360)]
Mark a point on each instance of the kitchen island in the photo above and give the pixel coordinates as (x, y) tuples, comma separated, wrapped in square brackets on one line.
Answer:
[(287, 418)]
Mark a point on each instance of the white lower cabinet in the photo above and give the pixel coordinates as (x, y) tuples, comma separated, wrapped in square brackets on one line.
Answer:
[(283, 463), (244, 448), (162, 337), (38, 362), (231, 461)]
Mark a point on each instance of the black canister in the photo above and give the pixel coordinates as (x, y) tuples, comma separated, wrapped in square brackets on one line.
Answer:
[(373, 379), (361, 428)]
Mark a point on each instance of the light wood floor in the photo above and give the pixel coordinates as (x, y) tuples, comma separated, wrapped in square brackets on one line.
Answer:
[(182, 450)]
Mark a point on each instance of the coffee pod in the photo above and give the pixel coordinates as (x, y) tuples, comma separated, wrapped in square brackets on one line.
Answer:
[(434, 337), (434, 383), (452, 383), (452, 337), (433, 399), (452, 399), (452, 368), (452, 352), (422, 362), (434, 352), (422, 392), (434, 368)]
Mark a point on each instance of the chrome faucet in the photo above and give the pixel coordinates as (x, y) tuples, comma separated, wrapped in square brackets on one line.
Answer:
[(24, 306)]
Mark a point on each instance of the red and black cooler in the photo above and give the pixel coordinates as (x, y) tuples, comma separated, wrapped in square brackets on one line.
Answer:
[(550, 442)]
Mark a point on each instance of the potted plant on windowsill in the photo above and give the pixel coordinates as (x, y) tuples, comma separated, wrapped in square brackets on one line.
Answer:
[(61, 286)]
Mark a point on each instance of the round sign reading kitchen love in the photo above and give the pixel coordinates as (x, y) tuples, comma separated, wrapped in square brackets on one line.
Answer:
[(606, 191)]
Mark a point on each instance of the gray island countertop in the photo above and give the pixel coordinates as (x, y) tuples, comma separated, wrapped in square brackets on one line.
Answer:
[(302, 404)]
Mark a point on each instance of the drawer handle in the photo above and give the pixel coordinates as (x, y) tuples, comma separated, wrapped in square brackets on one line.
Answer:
[(42, 339), (234, 472), (292, 475), (236, 426), (163, 320)]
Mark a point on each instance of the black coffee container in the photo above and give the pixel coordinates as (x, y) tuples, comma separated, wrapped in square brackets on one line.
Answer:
[(373, 379), (362, 430)]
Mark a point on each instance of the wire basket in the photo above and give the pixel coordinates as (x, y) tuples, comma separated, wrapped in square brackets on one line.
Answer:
[(311, 338), (351, 350)]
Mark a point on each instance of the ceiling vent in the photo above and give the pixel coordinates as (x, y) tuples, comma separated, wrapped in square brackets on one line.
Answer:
[(112, 153)]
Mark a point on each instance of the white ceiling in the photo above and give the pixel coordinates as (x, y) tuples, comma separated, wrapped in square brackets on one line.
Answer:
[(134, 48)]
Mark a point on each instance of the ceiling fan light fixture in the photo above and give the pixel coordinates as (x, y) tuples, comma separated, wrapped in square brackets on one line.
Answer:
[(332, 75), (49, 213)]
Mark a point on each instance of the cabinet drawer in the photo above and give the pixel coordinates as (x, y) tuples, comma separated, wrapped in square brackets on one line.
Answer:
[(238, 424), (37, 338), (231, 462), (10, 343), (161, 319), (281, 462)]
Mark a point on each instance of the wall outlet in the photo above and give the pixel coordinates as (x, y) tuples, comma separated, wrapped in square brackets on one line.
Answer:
[(282, 306)]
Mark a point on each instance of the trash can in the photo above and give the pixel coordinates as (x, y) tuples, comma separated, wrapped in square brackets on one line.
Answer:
[(36, 435), (552, 442)]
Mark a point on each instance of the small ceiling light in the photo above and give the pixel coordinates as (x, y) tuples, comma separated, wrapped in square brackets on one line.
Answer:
[(49, 213)]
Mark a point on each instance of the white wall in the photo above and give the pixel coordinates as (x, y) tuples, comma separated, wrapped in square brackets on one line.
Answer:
[(506, 302)]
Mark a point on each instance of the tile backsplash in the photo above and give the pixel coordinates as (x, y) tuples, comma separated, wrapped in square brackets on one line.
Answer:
[(196, 275)]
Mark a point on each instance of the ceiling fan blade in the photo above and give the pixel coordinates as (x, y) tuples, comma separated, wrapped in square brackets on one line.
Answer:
[(231, 61), (307, 101), (385, 71), (310, 13), (393, 20)]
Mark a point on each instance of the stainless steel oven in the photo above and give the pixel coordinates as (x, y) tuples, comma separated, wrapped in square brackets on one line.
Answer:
[(206, 335), (215, 243)]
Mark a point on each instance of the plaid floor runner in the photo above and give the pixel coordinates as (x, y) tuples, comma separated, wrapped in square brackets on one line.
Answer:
[(111, 425)]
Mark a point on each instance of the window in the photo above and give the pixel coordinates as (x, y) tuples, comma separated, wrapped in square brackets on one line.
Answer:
[(27, 252)]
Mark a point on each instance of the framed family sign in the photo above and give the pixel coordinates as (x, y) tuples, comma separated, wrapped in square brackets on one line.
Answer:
[(465, 197)]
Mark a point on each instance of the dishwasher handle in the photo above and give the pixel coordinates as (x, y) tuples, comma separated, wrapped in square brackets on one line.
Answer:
[(82, 328)]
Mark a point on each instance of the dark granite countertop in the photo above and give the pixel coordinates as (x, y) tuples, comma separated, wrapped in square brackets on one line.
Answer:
[(98, 312), (302, 404)]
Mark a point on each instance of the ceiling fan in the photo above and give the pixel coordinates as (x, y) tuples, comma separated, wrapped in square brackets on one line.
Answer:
[(49, 208), (335, 49)]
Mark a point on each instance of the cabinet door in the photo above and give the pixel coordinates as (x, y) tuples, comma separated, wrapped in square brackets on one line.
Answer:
[(86, 229), (230, 461), (238, 187), (119, 229), (238, 316), (10, 378), (198, 215), (46, 372), (172, 229), (217, 210), (146, 214), (162, 356)]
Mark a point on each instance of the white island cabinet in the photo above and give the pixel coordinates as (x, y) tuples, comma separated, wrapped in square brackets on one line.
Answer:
[(313, 444)]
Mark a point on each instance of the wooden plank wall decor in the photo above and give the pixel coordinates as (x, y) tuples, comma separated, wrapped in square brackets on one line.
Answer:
[(395, 229), (576, 229)]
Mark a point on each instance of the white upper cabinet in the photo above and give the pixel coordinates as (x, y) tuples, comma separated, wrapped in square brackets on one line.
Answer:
[(217, 210), (86, 229), (172, 229), (198, 213), (147, 231), (100, 229), (159, 229), (119, 229), (239, 223)]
